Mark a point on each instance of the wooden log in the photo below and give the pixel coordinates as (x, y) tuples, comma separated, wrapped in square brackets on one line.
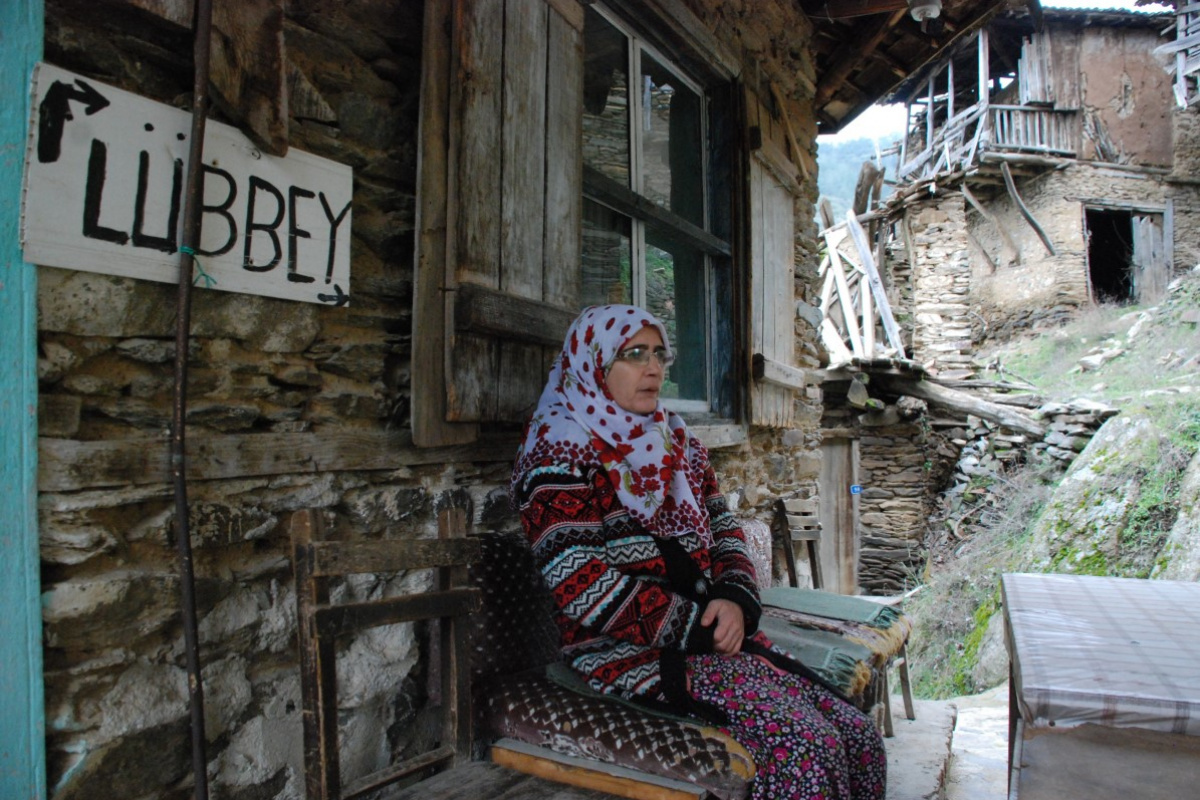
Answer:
[(1033, 223), (963, 402)]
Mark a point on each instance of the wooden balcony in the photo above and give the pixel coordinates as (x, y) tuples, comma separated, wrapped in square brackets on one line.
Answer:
[(959, 144)]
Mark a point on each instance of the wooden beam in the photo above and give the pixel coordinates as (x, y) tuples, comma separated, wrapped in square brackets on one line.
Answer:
[(347, 618), (847, 9), (248, 70), (570, 10), (390, 555), (433, 246), (770, 371), (590, 773), (779, 165), (487, 312), (22, 703), (868, 260), (68, 465), (992, 218), (798, 156), (963, 402), (1033, 223), (852, 55)]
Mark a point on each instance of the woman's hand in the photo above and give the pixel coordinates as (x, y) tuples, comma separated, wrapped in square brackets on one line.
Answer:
[(731, 625)]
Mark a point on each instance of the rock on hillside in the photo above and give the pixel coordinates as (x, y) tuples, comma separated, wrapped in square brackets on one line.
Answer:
[(1183, 543)]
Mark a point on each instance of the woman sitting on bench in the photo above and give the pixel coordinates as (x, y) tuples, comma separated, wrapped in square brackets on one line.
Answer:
[(655, 596)]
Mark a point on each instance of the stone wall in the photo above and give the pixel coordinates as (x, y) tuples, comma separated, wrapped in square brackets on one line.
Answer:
[(116, 697), (935, 236)]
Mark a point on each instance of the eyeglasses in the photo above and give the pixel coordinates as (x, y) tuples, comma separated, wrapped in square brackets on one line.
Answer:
[(640, 355)]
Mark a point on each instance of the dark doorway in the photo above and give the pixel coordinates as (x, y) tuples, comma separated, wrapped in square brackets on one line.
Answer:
[(1110, 255)]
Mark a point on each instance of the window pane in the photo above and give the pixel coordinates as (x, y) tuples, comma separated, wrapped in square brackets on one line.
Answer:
[(607, 255), (605, 98), (672, 162), (675, 293)]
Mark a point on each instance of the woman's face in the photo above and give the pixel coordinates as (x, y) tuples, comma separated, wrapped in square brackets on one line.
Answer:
[(633, 386)]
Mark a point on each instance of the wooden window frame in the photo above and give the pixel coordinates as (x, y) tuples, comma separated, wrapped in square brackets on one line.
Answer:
[(645, 27)]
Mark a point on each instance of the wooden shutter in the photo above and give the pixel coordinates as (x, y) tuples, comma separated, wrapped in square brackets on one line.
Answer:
[(1034, 74), (774, 185), (498, 248)]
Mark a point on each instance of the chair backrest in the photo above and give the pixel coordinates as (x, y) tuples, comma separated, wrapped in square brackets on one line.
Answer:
[(796, 520), (320, 623)]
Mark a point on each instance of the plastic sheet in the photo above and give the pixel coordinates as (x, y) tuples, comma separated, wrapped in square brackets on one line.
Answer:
[(1112, 651)]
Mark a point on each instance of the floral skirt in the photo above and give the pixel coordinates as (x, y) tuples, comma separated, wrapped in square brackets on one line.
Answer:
[(806, 743)]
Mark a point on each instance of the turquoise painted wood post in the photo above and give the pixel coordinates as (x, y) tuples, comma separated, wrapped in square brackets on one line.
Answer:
[(22, 708)]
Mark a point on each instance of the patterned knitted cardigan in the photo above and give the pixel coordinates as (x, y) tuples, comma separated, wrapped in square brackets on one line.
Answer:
[(628, 604)]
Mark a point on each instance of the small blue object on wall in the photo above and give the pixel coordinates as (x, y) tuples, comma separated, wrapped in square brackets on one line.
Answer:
[(855, 489)]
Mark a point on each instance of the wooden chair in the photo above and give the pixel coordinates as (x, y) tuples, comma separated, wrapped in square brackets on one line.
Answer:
[(316, 563), (796, 520), (516, 769)]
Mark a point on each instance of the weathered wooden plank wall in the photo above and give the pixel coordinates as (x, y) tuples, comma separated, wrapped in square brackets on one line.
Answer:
[(22, 752)]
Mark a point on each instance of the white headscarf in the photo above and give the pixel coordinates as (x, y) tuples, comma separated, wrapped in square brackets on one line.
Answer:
[(651, 460)]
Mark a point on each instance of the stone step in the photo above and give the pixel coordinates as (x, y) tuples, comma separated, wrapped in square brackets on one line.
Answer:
[(919, 753)]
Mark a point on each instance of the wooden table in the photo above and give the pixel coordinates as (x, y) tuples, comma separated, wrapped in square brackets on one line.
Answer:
[(1105, 687)]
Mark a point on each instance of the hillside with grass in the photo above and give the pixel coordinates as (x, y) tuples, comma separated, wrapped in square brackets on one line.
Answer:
[(1128, 505)]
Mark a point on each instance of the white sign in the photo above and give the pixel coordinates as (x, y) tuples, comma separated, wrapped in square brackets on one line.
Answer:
[(104, 184)]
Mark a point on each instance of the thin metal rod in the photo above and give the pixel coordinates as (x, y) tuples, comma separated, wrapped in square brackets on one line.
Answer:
[(202, 29)]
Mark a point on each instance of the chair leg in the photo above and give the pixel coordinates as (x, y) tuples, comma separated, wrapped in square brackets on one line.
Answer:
[(814, 562), (905, 686), (888, 730)]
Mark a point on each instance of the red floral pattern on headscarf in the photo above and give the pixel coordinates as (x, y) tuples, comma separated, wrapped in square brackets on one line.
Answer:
[(649, 458)]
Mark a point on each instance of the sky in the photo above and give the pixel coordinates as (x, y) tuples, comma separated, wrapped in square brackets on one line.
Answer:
[(885, 123)]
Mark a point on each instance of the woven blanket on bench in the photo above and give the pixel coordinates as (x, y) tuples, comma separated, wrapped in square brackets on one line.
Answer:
[(880, 629), (844, 664)]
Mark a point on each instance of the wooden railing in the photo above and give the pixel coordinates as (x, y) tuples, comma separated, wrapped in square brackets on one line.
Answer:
[(1025, 128), (960, 142)]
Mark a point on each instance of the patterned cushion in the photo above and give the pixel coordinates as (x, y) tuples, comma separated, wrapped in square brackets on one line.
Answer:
[(539, 711)]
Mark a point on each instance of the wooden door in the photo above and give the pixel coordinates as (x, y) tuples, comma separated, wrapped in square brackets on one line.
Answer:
[(839, 515), (1151, 269)]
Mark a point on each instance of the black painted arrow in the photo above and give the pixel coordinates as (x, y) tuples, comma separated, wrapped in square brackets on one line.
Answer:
[(340, 298), (55, 110)]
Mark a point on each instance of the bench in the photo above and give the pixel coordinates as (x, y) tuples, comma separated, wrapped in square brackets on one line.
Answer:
[(497, 655), (883, 634)]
